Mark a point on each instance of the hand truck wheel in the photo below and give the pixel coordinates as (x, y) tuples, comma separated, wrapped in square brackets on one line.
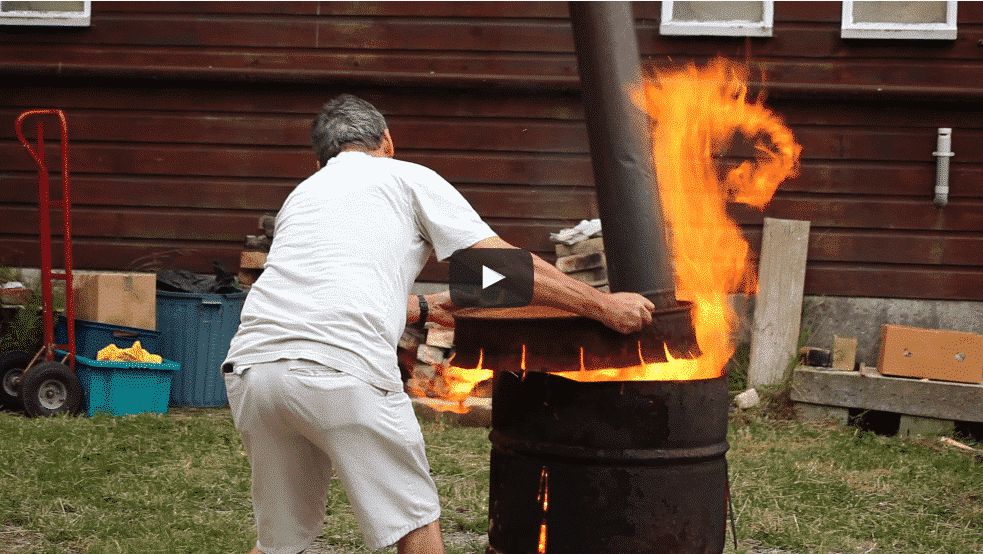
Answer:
[(50, 388), (12, 366)]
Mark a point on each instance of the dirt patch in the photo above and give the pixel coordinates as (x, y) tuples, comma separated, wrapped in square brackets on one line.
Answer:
[(14, 540)]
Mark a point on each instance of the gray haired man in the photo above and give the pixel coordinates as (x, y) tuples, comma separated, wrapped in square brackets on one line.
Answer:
[(312, 376)]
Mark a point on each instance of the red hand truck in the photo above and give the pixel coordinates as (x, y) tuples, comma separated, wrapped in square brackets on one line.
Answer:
[(42, 385)]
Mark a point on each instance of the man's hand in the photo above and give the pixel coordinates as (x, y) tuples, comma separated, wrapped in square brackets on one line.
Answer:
[(626, 312)]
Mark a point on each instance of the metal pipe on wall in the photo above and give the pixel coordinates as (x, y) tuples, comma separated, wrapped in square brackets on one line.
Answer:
[(943, 151)]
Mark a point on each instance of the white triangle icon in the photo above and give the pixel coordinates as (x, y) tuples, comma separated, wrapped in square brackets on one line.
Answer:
[(489, 277)]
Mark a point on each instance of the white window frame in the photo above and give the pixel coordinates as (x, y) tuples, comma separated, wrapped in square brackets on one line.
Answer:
[(926, 31), (39, 18), (730, 28)]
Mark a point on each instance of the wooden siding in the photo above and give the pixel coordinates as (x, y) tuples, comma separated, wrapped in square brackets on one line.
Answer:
[(188, 120)]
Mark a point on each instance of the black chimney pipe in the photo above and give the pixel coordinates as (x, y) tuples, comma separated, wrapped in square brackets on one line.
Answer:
[(621, 152)]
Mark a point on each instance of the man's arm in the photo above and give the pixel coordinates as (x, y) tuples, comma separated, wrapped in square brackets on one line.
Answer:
[(625, 312)]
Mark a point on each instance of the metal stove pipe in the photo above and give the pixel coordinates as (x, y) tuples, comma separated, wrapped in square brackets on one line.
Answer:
[(621, 152)]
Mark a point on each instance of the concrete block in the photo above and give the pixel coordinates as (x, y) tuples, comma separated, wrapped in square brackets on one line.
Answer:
[(914, 425), (818, 412)]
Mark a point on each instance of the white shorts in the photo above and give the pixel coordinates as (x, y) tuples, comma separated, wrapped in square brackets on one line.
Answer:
[(299, 419)]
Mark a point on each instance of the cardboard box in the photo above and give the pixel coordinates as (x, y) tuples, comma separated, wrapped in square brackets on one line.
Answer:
[(844, 353), (127, 299), (931, 354)]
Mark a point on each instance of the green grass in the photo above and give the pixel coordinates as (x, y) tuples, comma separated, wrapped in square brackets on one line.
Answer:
[(179, 483)]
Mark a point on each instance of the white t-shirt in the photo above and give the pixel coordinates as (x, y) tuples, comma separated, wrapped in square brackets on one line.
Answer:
[(349, 242)]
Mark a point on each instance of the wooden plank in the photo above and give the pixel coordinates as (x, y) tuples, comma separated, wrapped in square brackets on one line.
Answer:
[(849, 389), (883, 79), (872, 212), (513, 135), (298, 163), (551, 203), (867, 178), (259, 98), (778, 304), (894, 281)]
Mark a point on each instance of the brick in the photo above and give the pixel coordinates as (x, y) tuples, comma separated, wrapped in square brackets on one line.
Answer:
[(424, 371), (593, 277), (252, 260), (581, 262), (588, 246), (441, 336), (430, 354)]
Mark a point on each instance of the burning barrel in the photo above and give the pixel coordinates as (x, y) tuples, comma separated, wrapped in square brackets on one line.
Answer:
[(608, 467), (610, 443), (607, 443)]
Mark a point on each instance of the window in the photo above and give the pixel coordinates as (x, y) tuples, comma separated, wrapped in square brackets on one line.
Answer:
[(904, 20), (73, 14), (740, 19)]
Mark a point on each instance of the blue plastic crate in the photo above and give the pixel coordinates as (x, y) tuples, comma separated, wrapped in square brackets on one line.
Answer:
[(121, 388), (92, 336)]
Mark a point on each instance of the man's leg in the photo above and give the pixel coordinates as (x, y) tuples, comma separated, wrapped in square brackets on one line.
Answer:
[(425, 540)]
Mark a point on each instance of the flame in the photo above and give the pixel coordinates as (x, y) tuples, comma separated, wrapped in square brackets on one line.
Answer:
[(544, 499), (458, 383), (699, 111)]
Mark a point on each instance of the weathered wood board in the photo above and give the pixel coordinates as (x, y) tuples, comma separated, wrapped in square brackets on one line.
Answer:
[(914, 397), (778, 306)]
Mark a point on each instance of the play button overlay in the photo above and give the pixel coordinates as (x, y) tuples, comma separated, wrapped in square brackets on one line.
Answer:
[(491, 278)]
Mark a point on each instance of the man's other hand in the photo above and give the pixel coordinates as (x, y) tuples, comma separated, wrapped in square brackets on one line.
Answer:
[(626, 312)]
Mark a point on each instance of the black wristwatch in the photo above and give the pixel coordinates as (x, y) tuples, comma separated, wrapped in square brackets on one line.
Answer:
[(424, 312)]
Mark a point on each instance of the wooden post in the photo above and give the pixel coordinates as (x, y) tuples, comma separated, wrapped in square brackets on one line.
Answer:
[(778, 304)]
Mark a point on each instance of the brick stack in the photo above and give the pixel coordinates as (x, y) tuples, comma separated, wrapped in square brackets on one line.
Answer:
[(585, 262), (424, 357)]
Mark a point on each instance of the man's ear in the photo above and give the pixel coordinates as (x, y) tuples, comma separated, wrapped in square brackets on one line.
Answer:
[(388, 149)]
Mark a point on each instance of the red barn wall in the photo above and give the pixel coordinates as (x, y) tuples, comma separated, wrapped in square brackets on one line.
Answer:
[(188, 120)]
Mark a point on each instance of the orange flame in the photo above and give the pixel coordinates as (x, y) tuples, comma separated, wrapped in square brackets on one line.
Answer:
[(544, 499), (698, 112)]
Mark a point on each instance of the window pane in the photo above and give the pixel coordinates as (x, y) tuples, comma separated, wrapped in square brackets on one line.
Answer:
[(42, 6), (719, 11), (899, 12)]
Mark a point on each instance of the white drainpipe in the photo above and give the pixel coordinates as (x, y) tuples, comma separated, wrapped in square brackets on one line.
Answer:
[(942, 154)]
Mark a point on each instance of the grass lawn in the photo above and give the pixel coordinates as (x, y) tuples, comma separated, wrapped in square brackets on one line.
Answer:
[(179, 483)]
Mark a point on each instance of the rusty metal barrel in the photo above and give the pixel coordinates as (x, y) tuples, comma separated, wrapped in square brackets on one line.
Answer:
[(624, 467)]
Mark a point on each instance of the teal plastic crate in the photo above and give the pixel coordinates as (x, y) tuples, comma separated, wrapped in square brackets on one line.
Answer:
[(196, 331), (121, 388), (92, 336)]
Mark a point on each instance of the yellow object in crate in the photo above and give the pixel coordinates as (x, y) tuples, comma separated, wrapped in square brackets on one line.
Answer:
[(135, 353)]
